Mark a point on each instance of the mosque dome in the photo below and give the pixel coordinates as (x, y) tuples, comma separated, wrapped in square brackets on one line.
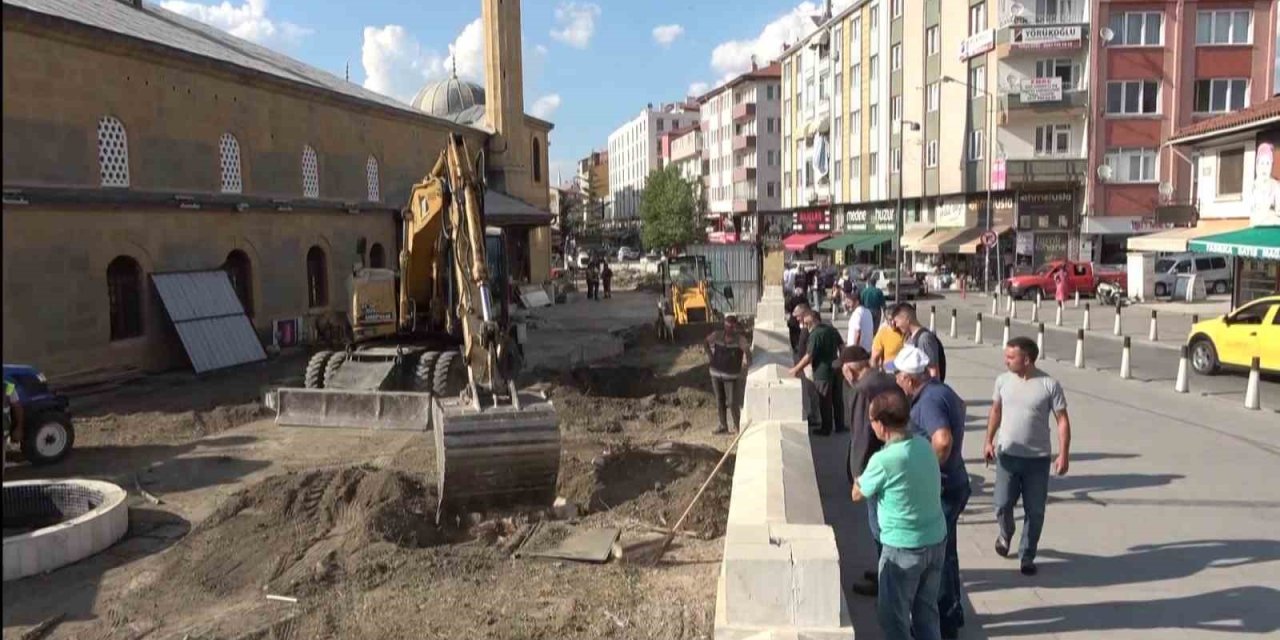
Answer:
[(452, 99)]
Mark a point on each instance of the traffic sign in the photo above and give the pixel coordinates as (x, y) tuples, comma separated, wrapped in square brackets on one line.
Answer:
[(988, 239)]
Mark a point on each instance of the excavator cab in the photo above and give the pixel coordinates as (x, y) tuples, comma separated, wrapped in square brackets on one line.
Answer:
[(686, 285)]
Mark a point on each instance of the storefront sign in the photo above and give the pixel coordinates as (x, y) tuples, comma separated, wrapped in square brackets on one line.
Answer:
[(1033, 90), (977, 44), (811, 221), (883, 219), (1057, 37), (1264, 197), (1046, 210), (999, 174), (951, 213), (1002, 205), (855, 220)]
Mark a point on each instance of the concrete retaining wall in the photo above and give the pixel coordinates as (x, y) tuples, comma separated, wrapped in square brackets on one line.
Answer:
[(780, 577)]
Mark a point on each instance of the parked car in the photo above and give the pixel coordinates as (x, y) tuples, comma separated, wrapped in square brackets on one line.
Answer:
[(1081, 276), (627, 253), (1214, 271), (894, 285), (860, 272), (1234, 340), (48, 434)]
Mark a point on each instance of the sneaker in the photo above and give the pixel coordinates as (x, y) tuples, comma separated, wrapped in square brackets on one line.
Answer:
[(1002, 546), (1028, 568), (869, 589)]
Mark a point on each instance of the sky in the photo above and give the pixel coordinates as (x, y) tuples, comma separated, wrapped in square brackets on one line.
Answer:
[(588, 66)]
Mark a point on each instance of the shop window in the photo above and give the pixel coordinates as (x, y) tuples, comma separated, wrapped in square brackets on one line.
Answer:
[(124, 295), (317, 278), (229, 162), (377, 256), (240, 271), (113, 153)]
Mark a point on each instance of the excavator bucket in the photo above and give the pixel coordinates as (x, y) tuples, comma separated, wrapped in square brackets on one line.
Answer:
[(353, 409)]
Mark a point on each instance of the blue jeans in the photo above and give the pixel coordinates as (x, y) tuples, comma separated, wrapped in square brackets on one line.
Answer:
[(950, 596), (908, 602), (1028, 478)]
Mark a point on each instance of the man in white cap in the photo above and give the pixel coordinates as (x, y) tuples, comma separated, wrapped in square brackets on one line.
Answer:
[(938, 414)]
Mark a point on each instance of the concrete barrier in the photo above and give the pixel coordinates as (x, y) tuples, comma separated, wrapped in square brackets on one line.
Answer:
[(780, 574)]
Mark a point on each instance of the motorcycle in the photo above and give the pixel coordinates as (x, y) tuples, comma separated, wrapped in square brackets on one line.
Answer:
[(1111, 295)]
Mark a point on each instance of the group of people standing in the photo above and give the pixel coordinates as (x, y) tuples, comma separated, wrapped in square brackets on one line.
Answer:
[(905, 454), (597, 272)]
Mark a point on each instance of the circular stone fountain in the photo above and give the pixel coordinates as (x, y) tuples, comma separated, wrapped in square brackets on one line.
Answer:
[(53, 523)]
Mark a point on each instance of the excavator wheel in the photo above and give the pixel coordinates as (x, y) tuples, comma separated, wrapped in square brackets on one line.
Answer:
[(314, 378), (331, 367), (424, 373), (450, 375)]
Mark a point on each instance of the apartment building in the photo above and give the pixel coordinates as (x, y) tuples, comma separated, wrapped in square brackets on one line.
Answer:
[(593, 180), (634, 151), (682, 148), (741, 124)]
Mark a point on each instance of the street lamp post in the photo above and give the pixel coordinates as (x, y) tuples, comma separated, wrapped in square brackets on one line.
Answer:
[(897, 218), (990, 153)]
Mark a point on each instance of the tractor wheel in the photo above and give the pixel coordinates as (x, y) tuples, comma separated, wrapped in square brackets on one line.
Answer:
[(314, 378), (450, 375), (424, 373), (48, 438), (331, 367)]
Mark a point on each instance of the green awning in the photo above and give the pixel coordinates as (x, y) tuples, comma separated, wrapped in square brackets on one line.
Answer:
[(857, 240), (1262, 243)]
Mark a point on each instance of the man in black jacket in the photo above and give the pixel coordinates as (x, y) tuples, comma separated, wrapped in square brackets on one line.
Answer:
[(862, 383)]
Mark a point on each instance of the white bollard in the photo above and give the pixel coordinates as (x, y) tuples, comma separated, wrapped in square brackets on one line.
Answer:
[(995, 304), (1004, 337), (1057, 318), (1035, 312), (1151, 333), (932, 312), (1077, 298), (1085, 324), (1008, 307), (977, 331), (1080, 348), (1251, 396), (1181, 385), (1115, 328), (1040, 338), (1125, 366), (1039, 297), (952, 333), (1013, 309)]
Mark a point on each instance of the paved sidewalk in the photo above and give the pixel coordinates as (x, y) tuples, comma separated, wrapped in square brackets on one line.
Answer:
[(1166, 525)]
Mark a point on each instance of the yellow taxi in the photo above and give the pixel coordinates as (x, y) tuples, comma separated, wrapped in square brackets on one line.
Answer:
[(1234, 340)]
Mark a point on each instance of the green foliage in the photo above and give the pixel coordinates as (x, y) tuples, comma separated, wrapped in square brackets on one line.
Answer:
[(669, 211)]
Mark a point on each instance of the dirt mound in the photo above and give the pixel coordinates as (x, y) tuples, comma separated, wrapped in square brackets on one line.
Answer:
[(649, 282), (654, 485)]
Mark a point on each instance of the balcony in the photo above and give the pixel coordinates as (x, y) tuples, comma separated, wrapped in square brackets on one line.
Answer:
[(744, 206), (1045, 169), (744, 174), (1020, 106), (741, 143), (744, 111)]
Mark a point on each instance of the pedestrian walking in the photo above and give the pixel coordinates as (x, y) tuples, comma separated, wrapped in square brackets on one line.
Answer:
[(873, 299), (730, 356), (886, 345), (903, 477), (908, 324), (862, 383), (593, 281), (788, 280), (606, 278), (793, 321), (1060, 283), (861, 326), (1024, 399), (938, 414), (822, 352)]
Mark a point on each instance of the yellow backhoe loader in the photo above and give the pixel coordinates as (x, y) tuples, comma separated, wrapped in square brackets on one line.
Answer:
[(434, 347), (687, 291)]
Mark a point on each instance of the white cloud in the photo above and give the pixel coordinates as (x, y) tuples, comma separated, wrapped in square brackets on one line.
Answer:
[(396, 65), (698, 88), (577, 23), (545, 106), (667, 33), (734, 57), (246, 20), (468, 48)]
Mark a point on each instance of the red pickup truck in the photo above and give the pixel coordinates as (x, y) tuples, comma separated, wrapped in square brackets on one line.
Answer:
[(1081, 276)]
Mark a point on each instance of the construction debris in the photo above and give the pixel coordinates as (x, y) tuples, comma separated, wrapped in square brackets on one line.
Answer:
[(563, 509), (585, 546), (638, 548)]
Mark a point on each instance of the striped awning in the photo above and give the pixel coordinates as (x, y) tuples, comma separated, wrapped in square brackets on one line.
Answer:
[(1259, 243)]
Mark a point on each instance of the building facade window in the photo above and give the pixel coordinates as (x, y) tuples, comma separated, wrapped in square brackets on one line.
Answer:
[(310, 173), (536, 160), (933, 42), (113, 153), (124, 297), (977, 81), (1230, 172), (874, 79), (1132, 165), (1137, 28), (240, 272), (372, 185), (873, 15), (895, 110), (896, 8), (977, 144), (977, 18), (895, 57), (1133, 97), (1053, 139), (873, 165), (855, 169), (1059, 68), (317, 278), (229, 163), (931, 153), (1224, 27), (1219, 95), (837, 44), (377, 256), (933, 97), (895, 160)]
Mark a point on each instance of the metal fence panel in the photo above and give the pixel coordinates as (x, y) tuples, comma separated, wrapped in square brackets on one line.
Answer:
[(737, 266)]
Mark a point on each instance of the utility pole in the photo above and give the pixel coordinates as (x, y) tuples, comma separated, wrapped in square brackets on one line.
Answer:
[(990, 153), (897, 218)]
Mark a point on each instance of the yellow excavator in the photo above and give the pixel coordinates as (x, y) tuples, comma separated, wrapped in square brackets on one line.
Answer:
[(434, 347), (686, 301)]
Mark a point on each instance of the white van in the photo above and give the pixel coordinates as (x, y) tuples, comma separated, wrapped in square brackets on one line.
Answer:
[(1214, 271)]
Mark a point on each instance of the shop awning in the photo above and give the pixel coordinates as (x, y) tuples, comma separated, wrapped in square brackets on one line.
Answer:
[(1175, 240), (870, 241), (802, 241), (971, 243), (856, 240), (914, 234), (1260, 243), (942, 238)]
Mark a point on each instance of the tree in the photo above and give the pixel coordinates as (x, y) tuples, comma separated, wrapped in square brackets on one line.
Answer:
[(669, 211)]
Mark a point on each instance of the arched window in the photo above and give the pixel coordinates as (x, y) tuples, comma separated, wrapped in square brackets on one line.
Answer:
[(124, 296), (371, 180), (113, 153), (240, 271), (537, 160), (377, 256), (229, 161), (317, 278), (310, 173)]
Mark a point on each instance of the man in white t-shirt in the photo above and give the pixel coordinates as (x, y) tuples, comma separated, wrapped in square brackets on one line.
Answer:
[(861, 325)]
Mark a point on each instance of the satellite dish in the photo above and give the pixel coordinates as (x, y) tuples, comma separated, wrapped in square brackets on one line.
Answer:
[(1011, 81), (1106, 34), (1166, 189), (1016, 9), (1105, 172)]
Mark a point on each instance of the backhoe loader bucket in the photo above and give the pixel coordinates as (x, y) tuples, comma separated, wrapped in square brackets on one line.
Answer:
[(353, 409)]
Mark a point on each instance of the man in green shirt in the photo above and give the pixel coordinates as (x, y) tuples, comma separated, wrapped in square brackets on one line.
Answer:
[(821, 352), (904, 477), (873, 299)]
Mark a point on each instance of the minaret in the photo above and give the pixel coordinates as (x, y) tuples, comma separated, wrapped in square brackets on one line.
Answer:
[(507, 159)]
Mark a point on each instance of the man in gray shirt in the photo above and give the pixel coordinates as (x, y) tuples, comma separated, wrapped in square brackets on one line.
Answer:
[(1024, 399)]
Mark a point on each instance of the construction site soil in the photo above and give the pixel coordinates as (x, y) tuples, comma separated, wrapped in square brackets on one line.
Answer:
[(354, 549)]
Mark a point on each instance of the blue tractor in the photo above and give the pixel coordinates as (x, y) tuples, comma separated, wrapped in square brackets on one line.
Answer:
[(47, 432)]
